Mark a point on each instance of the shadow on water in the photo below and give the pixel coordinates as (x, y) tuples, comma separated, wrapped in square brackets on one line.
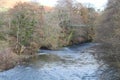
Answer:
[(41, 60)]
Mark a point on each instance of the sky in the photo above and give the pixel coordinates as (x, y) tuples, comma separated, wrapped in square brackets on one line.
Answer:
[(98, 4)]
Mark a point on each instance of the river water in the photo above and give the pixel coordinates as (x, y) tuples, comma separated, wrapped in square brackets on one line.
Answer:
[(69, 63)]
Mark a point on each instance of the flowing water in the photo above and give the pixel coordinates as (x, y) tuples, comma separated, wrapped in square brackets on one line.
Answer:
[(69, 63)]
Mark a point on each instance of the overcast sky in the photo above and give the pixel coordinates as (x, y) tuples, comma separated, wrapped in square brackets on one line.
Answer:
[(98, 4)]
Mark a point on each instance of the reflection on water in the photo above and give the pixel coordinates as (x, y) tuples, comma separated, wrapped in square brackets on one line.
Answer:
[(70, 63), (41, 60)]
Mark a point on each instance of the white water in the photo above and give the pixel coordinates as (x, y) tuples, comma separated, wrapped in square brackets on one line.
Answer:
[(70, 63)]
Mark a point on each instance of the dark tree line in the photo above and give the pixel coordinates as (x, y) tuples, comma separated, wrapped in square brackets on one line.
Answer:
[(108, 33)]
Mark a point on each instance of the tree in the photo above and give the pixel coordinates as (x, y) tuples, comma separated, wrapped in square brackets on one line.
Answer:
[(76, 20), (108, 32), (68, 18), (26, 20)]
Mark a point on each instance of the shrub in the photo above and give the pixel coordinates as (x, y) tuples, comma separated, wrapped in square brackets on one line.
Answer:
[(8, 59), (4, 25)]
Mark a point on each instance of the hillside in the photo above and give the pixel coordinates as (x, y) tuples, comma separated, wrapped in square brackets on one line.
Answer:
[(6, 4), (10, 3)]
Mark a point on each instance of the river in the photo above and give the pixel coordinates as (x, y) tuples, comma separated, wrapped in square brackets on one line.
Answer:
[(69, 63)]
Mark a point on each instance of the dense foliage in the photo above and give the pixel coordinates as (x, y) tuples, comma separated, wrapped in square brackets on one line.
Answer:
[(76, 20), (27, 27), (30, 27), (26, 22), (108, 32)]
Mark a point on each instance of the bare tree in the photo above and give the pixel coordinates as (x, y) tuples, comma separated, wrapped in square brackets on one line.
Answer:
[(108, 32)]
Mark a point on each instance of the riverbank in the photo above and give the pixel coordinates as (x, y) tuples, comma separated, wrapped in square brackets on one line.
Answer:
[(101, 53), (8, 59), (76, 62), (27, 27)]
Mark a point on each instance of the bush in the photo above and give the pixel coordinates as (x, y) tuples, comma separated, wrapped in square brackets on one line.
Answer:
[(4, 25), (8, 59)]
